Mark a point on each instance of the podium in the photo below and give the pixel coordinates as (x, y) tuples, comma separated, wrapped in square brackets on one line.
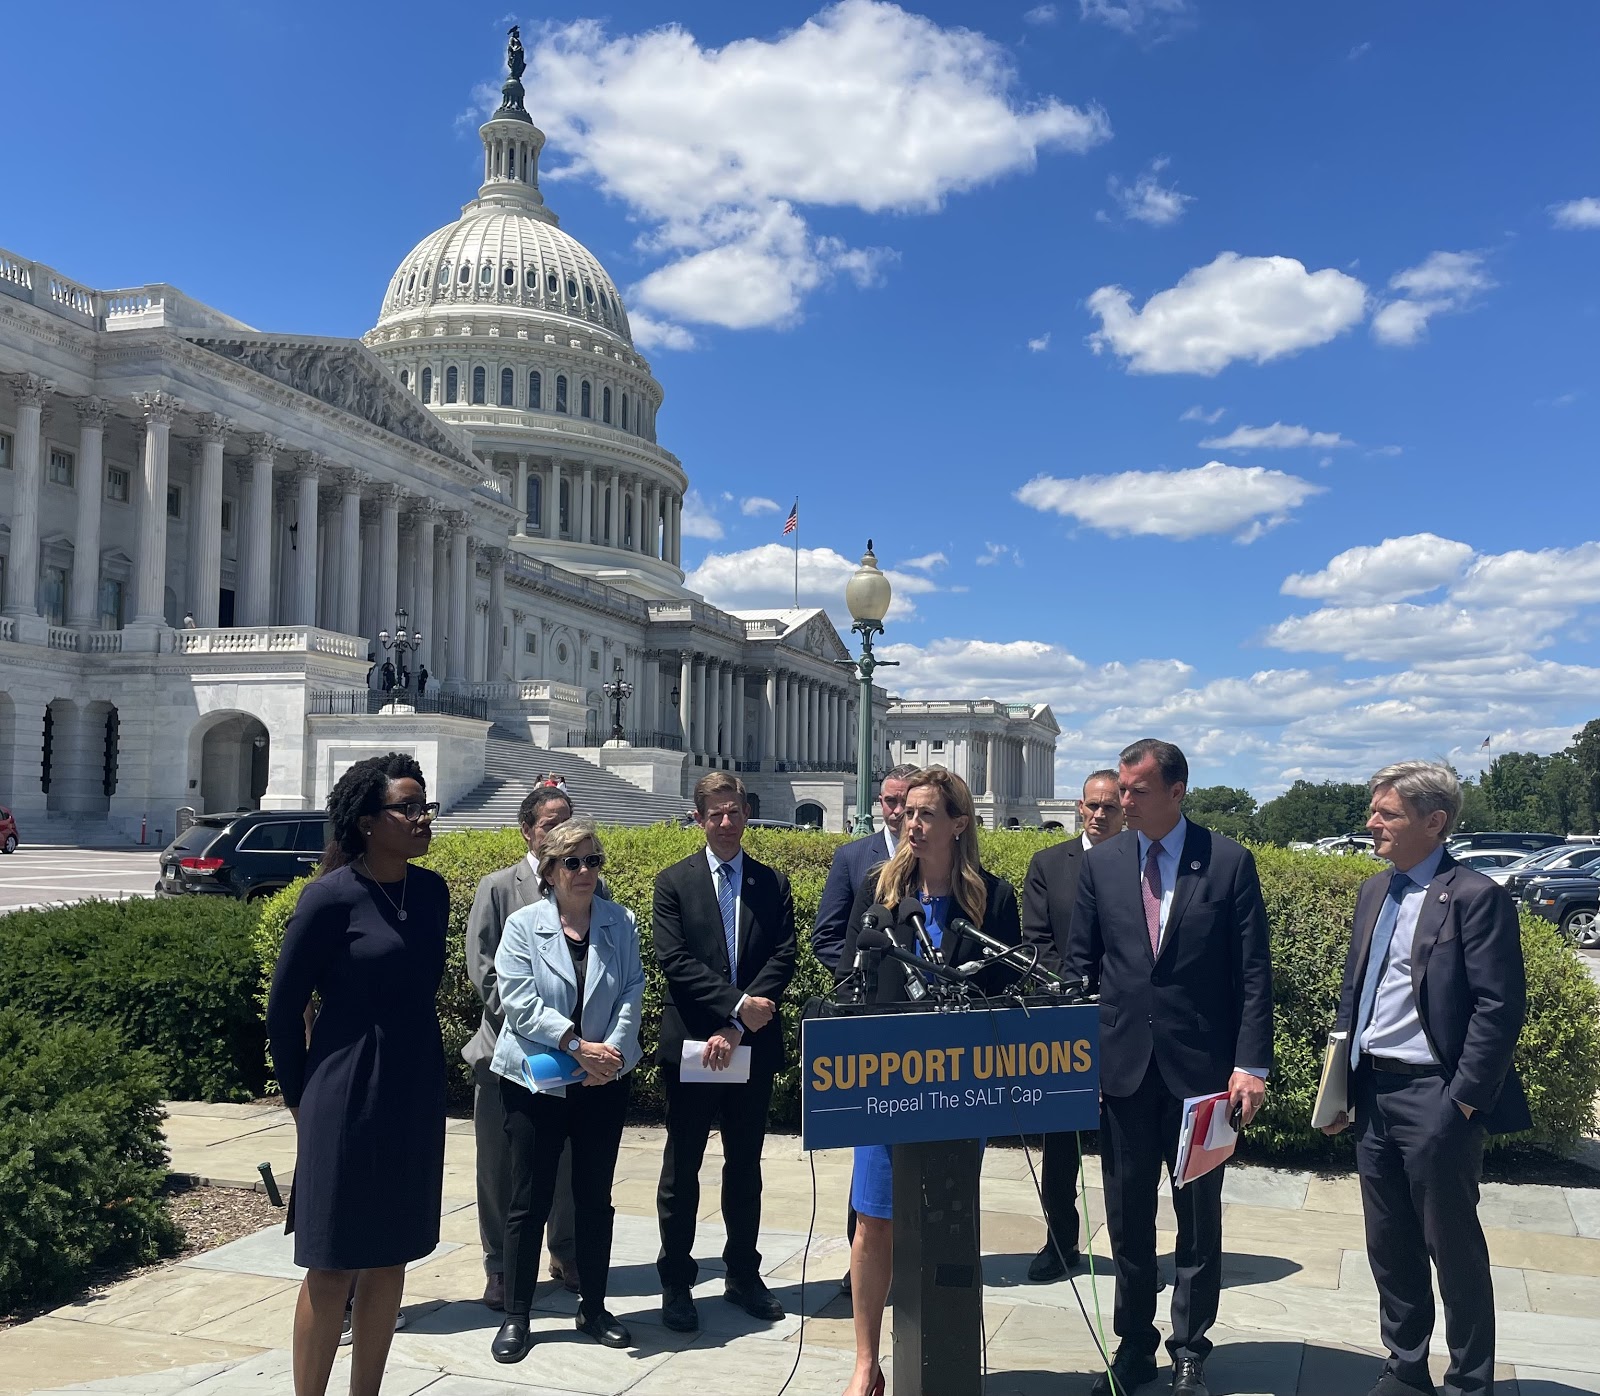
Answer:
[(935, 1083)]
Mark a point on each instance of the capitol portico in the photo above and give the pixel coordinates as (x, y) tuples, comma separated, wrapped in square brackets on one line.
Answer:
[(208, 526)]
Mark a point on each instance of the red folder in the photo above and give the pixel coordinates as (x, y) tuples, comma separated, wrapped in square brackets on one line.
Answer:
[(1206, 1138)]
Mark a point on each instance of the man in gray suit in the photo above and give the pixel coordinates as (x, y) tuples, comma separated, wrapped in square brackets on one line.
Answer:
[(500, 894)]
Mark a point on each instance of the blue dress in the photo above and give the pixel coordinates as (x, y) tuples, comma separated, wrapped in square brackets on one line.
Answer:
[(872, 1181)]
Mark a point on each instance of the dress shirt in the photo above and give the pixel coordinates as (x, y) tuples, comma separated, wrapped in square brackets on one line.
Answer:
[(736, 876), (1395, 1029), (889, 840), (534, 864)]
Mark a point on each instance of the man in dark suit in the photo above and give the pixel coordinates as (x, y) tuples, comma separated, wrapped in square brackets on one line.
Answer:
[(1433, 1000), (1049, 897), (724, 934), (1171, 925), (851, 863), (498, 895)]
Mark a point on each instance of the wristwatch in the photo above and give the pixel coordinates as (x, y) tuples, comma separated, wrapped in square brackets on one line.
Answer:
[(572, 1043)]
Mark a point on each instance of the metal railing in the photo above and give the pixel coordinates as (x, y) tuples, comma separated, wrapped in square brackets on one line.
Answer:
[(361, 702)]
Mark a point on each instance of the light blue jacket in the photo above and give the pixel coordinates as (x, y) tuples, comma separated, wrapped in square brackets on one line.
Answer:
[(539, 991)]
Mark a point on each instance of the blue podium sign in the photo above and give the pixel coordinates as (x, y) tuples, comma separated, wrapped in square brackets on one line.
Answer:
[(902, 1078)]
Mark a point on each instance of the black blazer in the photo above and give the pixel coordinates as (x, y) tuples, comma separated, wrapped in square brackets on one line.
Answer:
[(686, 929), (1000, 920), (1049, 897), (1467, 975), (1202, 1006), (851, 863)]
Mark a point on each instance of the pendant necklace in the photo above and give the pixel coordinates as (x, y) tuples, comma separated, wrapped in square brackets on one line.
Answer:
[(400, 906)]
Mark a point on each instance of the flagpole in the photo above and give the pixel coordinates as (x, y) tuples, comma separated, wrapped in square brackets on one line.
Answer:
[(797, 552)]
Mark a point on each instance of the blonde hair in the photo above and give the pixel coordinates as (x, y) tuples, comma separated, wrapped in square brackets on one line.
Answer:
[(560, 841), (900, 875)]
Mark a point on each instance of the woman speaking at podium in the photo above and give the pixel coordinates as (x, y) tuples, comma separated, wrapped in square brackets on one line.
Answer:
[(934, 868)]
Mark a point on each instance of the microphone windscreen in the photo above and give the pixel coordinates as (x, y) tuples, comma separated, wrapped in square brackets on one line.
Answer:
[(909, 907), (880, 914), (959, 925), (873, 939)]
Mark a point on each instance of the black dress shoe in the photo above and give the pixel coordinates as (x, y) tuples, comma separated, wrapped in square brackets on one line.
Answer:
[(677, 1310), (1391, 1385), (1048, 1264), (604, 1328), (512, 1342), (1189, 1377), (1131, 1370), (754, 1298)]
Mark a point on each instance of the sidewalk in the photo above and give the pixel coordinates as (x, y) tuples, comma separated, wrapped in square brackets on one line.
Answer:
[(1298, 1314)]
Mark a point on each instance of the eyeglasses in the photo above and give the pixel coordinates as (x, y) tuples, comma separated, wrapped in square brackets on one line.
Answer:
[(415, 810), (592, 861)]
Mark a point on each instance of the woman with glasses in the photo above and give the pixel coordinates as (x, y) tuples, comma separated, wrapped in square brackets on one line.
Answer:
[(571, 984), (366, 1084)]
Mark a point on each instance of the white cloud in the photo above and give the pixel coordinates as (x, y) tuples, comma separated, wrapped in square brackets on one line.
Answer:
[(1041, 14), (1393, 570), (1199, 414), (765, 577), (926, 563), (998, 552), (1039, 345), (716, 151), (1244, 501), (1443, 282), (698, 519), (1278, 436), (1560, 578), (758, 504), (1136, 16), (1359, 51), (1253, 308), (1406, 633), (651, 333), (1576, 213), (1147, 200)]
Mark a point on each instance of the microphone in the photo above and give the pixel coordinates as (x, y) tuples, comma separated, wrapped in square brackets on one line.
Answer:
[(878, 940), (910, 910), (999, 950), (865, 973)]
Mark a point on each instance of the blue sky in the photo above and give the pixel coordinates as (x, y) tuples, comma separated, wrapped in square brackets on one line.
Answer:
[(1226, 373)]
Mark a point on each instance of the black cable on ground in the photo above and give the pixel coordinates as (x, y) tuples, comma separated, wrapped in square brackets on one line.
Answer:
[(805, 1257)]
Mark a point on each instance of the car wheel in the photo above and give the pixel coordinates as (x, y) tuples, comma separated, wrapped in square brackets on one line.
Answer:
[(10, 845), (1582, 928)]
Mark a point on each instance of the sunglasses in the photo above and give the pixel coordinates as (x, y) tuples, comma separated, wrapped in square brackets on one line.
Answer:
[(592, 861), (416, 809)]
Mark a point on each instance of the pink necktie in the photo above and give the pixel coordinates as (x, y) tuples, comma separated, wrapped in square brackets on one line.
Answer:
[(1152, 897)]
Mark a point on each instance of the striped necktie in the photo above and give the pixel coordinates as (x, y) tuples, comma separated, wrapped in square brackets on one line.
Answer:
[(730, 917)]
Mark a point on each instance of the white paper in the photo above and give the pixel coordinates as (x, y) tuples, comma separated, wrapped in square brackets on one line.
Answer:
[(735, 1073), (1220, 1133)]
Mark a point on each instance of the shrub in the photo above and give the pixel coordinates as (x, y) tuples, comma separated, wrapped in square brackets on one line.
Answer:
[(179, 977), (81, 1157), (1309, 898)]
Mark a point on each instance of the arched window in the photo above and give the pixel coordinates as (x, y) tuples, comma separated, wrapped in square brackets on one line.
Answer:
[(627, 522), (534, 491), (427, 385), (464, 276), (624, 412), (486, 276), (605, 406), (479, 385), (530, 277), (588, 293), (509, 276), (405, 378), (451, 384), (427, 277), (411, 282), (508, 386), (561, 392), (535, 391), (572, 288), (585, 399), (566, 506), (552, 283)]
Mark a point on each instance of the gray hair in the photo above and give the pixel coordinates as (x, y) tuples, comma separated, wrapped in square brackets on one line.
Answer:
[(1424, 785), (561, 841), (901, 772)]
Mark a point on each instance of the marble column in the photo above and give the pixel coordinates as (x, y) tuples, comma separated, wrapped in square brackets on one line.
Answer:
[(458, 635), (699, 740), (552, 527), (769, 719), (405, 551), (371, 622), (737, 678), (477, 654), (675, 528), (84, 608), (792, 719), (253, 604), (637, 541), (422, 618), (522, 497), (348, 613), (988, 766), (730, 724), (496, 660), (205, 562), (685, 697), (150, 567), (652, 505), (440, 649), (22, 560), (586, 506), (514, 666), (388, 554), (714, 713), (306, 477)]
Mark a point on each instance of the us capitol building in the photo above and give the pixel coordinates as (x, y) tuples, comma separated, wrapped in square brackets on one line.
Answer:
[(210, 531)]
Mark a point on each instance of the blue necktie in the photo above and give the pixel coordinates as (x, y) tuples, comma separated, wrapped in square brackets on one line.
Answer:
[(1377, 957), (730, 917)]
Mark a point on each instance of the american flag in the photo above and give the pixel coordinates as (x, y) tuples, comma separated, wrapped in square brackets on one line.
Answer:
[(1485, 744), (793, 521)]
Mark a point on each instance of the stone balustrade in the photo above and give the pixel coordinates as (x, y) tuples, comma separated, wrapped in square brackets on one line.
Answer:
[(268, 639)]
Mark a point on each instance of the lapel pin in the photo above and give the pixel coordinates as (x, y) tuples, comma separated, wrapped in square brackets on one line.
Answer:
[(1195, 866), (1444, 896)]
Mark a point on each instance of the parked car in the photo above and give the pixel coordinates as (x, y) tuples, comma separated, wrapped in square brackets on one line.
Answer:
[(246, 855), (1465, 843), (1347, 843), (1486, 859), (1567, 862), (1528, 860), (1573, 903), (8, 832)]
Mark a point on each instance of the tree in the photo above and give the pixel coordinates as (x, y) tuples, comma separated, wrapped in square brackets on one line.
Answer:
[(1305, 812), (1585, 754), (1224, 808)]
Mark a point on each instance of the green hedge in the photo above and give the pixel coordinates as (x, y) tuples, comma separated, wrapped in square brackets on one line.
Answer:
[(81, 1157), (1309, 897), (179, 977)]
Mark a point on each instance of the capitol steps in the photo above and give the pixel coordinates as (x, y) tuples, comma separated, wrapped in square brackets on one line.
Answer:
[(512, 767)]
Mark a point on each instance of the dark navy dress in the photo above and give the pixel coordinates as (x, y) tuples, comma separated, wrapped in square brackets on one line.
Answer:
[(369, 1171)]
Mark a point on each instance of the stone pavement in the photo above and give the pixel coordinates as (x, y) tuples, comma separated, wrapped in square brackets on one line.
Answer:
[(1298, 1313)]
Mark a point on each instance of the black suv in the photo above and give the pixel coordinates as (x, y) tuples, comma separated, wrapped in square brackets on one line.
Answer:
[(247, 855), (1573, 903)]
